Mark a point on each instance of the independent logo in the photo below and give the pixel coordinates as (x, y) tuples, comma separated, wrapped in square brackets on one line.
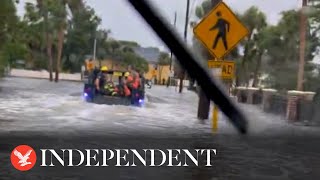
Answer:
[(23, 157)]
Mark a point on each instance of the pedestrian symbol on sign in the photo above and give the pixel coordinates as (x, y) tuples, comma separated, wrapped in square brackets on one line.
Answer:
[(223, 27), (220, 31)]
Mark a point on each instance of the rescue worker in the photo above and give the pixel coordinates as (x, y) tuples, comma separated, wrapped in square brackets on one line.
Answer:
[(133, 82), (104, 84), (101, 79), (93, 75)]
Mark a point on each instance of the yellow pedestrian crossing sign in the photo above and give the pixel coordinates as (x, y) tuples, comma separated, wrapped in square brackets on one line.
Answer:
[(220, 31)]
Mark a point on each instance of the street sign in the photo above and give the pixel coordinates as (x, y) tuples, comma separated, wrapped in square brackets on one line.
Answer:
[(227, 68), (220, 31)]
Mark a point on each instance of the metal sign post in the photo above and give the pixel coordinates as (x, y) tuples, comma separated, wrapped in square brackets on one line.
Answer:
[(220, 32)]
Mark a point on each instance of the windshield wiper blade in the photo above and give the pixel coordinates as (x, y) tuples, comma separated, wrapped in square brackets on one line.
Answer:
[(189, 63)]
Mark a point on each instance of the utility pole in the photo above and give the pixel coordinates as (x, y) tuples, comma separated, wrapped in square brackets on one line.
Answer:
[(174, 24), (185, 38), (303, 24), (204, 102), (95, 50)]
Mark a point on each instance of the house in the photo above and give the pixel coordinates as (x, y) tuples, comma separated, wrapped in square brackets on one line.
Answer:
[(156, 72)]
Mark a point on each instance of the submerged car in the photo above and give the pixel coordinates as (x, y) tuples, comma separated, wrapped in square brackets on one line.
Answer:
[(90, 93)]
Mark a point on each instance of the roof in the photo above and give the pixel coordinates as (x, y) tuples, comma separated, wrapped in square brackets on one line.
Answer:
[(151, 54)]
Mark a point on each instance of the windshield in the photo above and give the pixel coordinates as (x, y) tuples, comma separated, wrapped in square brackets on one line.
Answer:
[(237, 78)]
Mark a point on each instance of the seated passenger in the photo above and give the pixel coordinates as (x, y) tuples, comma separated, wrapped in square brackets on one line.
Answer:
[(136, 81), (133, 80), (123, 88), (110, 89)]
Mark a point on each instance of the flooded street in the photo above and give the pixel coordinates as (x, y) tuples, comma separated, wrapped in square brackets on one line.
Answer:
[(38, 105), (266, 53), (54, 115)]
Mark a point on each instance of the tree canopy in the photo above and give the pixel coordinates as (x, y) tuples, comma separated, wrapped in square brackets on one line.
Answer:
[(59, 35)]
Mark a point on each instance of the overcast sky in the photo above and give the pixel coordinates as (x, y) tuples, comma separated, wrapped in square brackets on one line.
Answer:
[(126, 24)]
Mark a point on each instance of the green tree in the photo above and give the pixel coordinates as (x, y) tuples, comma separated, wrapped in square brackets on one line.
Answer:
[(129, 43), (114, 46), (102, 45), (82, 30), (45, 37), (7, 27), (129, 58), (283, 52), (256, 22)]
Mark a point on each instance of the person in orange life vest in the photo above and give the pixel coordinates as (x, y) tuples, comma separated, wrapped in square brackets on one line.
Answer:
[(133, 79), (133, 83), (127, 91), (123, 88), (136, 81), (129, 80)]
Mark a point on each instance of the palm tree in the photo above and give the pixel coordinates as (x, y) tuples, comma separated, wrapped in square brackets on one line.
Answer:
[(57, 22), (256, 22), (61, 18), (30, 26), (43, 8), (61, 15)]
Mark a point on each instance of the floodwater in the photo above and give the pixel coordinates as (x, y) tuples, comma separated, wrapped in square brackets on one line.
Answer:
[(40, 105), (47, 114)]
